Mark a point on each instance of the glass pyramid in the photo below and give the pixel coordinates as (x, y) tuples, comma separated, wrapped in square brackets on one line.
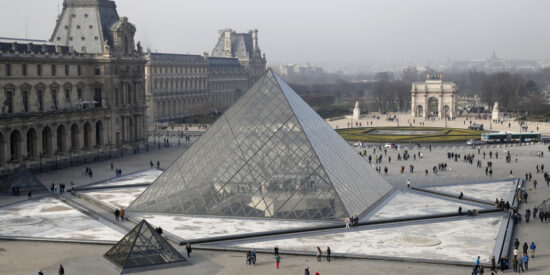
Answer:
[(22, 179), (269, 155), (143, 247)]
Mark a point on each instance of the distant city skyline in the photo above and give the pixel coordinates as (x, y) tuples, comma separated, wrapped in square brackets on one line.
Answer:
[(351, 35)]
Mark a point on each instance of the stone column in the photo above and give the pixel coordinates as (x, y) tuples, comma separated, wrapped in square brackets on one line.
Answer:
[(413, 105), (54, 141), (425, 106), (80, 137), (93, 136), (439, 106), (24, 152), (39, 150), (3, 150)]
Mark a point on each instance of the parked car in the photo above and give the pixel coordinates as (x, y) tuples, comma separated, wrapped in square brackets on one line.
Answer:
[(474, 142), (392, 145), (478, 127)]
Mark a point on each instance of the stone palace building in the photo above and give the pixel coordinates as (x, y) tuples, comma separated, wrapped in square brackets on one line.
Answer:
[(182, 85), (78, 96)]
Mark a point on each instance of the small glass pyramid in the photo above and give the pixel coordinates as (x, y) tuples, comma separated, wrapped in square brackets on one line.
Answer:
[(143, 247)]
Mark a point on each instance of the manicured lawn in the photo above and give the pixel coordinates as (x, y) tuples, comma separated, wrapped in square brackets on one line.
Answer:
[(443, 134)]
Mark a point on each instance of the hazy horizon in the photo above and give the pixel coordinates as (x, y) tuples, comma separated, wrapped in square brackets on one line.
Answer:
[(347, 33)]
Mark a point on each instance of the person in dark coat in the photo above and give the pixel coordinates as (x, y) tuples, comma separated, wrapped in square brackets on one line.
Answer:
[(61, 270), (117, 214), (306, 271), (189, 249), (328, 254)]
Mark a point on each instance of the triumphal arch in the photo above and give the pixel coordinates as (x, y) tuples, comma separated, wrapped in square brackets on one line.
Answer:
[(433, 98)]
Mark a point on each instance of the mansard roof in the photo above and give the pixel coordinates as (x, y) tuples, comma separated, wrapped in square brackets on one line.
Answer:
[(225, 64), (33, 48), (88, 19), (170, 57), (241, 46)]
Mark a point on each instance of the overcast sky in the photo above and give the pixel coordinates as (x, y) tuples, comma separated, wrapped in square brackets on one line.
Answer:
[(349, 33)]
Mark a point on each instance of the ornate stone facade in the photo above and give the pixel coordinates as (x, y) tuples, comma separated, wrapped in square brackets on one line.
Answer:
[(179, 85), (433, 98), (176, 86), (59, 103)]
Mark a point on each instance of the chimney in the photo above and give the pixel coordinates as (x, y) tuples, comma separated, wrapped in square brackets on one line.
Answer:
[(227, 43), (255, 40)]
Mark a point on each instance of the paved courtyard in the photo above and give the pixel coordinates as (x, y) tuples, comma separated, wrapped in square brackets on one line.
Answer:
[(85, 258)]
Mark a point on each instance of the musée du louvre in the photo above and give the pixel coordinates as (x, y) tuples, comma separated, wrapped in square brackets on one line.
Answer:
[(90, 90), (270, 155)]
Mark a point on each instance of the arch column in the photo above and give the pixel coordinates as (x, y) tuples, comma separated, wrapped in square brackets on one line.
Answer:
[(23, 146), (440, 106), (3, 155), (81, 137), (54, 141), (39, 142), (413, 105), (425, 107)]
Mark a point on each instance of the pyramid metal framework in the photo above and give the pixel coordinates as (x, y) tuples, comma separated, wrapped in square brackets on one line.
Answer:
[(143, 247), (22, 179), (269, 155)]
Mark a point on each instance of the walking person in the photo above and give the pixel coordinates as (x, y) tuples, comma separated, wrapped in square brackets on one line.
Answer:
[(117, 214), (526, 261), (158, 164), (122, 215), (276, 250), (61, 270), (328, 254), (306, 271), (29, 194), (188, 249), (520, 264), (254, 256), (533, 247), (493, 264), (319, 254)]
